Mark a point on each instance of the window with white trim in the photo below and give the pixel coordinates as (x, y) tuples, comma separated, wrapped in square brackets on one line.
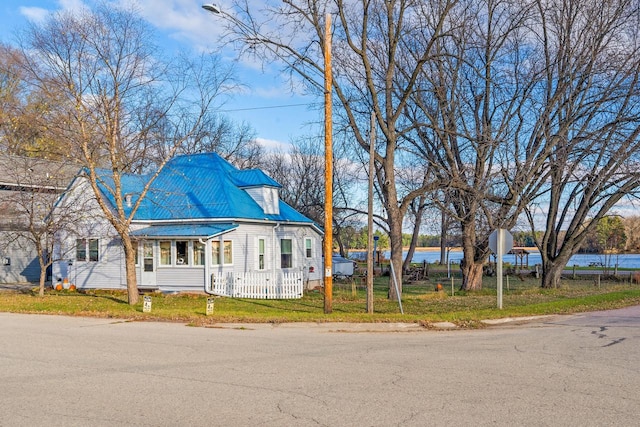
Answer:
[(88, 247), (286, 253), (182, 252), (165, 252), (228, 252), (308, 247), (262, 243), (222, 252), (198, 253), (134, 245)]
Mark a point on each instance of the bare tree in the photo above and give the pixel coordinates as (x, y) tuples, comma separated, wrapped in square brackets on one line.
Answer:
[(592, 57), (531, 103), (300, 171), (28, 206), (376, 65), (301, 174), (236, 142), (477, 124), (115, 95)]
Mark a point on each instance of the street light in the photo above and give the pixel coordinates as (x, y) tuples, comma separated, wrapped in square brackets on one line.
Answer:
[(328, 145), (211, 8), (254, 37)]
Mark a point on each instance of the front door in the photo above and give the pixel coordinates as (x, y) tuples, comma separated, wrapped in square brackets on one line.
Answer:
[(148, 264)]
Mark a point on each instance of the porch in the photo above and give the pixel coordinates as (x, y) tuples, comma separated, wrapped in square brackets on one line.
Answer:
[(258, 285)]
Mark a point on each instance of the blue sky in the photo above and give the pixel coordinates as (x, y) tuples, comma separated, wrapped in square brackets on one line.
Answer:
[(183, 26)]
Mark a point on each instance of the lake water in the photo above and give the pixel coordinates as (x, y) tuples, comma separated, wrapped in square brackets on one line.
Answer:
[(581, 260)]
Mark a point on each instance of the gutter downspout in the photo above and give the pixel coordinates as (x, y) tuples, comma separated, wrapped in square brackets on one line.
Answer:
[(273, 233), (208, 286)]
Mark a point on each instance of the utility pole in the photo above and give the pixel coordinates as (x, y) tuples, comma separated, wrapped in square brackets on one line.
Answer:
[(372, 139), (328, 172)]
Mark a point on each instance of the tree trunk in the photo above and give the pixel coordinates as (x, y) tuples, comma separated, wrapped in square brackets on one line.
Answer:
[(472, 261), (130, 268), (43, 266), (443, 237), (395, 237), (551, 276), (552, 271), (415, 235), (471, 275), (43, 278)]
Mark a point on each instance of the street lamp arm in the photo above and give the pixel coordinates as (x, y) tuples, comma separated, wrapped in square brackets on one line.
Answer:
[(253, 37), (211, 8)]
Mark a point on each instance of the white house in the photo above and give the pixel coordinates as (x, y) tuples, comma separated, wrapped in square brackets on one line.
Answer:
[(204, 226)]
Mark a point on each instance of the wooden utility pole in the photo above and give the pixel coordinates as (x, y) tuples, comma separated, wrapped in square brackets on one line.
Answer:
[(372, 139), (328, 172)]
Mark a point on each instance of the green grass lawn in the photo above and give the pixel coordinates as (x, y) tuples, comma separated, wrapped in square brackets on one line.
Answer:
[(421, 303)]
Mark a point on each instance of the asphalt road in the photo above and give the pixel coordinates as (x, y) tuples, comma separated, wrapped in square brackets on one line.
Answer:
[(561, 371)]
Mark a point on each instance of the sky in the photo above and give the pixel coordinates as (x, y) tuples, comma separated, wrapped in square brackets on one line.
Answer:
[(265, 100)]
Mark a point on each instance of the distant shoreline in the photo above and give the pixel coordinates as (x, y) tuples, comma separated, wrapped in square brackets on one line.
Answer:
[(436, 249)]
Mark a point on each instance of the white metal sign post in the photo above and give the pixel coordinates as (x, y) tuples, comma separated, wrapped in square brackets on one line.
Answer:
[(500, 242)]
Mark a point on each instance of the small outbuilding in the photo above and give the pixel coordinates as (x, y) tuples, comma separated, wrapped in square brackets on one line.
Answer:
[(342, 267)]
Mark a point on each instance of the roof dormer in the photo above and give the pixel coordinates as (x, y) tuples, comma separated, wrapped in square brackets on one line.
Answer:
[(262, 189)]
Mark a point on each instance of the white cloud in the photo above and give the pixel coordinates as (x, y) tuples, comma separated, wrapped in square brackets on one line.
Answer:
[(273, 145), (39, 14), (182, 20), (72, 5), (34, 14)]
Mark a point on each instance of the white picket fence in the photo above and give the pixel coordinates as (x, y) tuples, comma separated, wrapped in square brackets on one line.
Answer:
[(258, 285)]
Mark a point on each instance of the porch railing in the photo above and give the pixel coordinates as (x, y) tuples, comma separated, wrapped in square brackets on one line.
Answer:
[(258, 285)]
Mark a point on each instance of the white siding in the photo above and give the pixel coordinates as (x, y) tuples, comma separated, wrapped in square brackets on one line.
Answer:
[(174, 279), (245, 249), (106, 273), (24, 265)]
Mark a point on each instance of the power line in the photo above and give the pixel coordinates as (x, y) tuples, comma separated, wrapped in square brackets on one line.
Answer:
[(265, 108)]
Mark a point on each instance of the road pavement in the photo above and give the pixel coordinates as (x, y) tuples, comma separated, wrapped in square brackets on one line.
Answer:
[(580, 370)]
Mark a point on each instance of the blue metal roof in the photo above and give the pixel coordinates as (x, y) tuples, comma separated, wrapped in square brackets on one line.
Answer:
[(253, 178), (200, 187), (185, 230)]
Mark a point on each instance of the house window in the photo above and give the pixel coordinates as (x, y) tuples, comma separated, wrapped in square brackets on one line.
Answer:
[(228, 252), (307, 248), (81, 249), (87, 246), (147, 256), (215, 252), (286, 253), (93, 250), (182, 253), (261, 254), (134, 245), (225, 256), (165, 253), (198, 253)]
